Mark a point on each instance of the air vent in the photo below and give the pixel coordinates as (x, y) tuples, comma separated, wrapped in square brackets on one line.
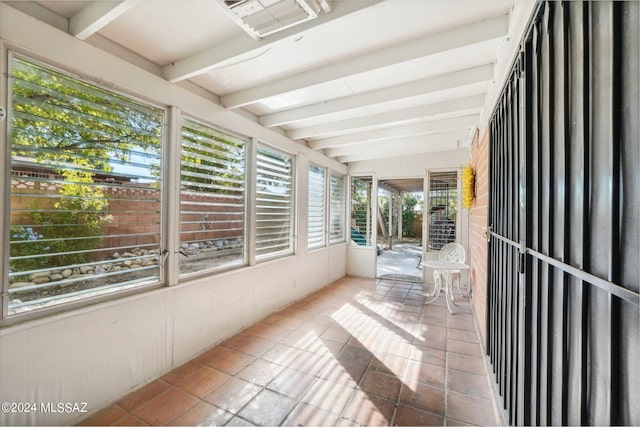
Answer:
[(260, 18)]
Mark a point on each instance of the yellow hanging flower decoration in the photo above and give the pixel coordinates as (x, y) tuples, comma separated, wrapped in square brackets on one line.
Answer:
[(468, 186)]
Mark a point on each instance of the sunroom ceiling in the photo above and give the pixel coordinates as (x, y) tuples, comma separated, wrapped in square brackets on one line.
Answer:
[(370, 79)]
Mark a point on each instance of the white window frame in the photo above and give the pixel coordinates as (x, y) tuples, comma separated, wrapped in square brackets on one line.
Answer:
[(71, 300), (290, 250), (243, 261)]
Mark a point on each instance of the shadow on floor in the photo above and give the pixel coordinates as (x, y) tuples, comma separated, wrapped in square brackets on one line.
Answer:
[(357, 352)]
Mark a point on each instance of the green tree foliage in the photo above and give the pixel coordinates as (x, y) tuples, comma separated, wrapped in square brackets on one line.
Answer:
[(211, 161), (78, 214), (58, 119), (408, 214), (409, 202)]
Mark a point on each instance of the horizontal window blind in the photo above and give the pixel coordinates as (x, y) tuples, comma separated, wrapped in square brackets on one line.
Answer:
[(316, 220), (212, 199), (337, 209), (85, 189), (274, 203)]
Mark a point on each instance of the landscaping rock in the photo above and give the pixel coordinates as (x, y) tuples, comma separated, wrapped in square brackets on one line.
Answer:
[(16, 285)]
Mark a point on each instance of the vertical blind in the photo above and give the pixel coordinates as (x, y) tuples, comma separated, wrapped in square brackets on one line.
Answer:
[(337, 208), (274, 202), (317, 210), (212, 198), (85, 189)]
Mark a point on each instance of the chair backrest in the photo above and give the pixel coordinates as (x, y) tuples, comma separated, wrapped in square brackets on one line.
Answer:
[(453, 252)]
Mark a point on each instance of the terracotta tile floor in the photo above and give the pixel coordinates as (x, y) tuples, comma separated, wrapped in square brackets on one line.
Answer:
[(359, 351)]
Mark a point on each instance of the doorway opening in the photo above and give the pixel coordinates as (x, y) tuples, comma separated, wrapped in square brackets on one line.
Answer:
[(399, 221)]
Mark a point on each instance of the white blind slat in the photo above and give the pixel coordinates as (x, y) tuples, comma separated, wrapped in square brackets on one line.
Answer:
[(274, 203), (316, 216), (337, 209)]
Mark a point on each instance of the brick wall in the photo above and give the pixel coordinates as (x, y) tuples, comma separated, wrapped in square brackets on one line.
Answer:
[(133, 213), (477, 226)]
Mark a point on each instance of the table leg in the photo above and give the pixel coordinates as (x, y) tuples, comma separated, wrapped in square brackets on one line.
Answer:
[(436, 292), (449, 293)]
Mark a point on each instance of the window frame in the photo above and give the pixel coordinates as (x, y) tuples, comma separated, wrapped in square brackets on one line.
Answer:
[(72, 301), (371, 232), (429, 247), (292, 249), (342, 210), (325, 208), (246, 202)]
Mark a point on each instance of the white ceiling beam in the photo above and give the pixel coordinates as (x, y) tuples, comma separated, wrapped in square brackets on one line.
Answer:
[(422, 142), (96, 16), (459, 107), (400, 151), (242, 47), (424, 128), (431, 85), (489, 29)]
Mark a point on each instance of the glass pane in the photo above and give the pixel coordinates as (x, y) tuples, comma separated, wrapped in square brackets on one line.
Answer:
[(274, 203), (316, 220), (361, 227), (85, 189), (212, 199)]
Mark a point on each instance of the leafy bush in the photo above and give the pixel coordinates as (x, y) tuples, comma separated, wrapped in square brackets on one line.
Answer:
[(408, 214), (25, 241), (76, 224), (71, 230)]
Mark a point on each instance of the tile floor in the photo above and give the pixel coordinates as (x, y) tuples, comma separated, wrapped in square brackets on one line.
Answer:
[(359, 351)]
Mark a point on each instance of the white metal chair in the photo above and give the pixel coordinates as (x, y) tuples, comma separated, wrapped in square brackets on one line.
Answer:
[(451, 252)]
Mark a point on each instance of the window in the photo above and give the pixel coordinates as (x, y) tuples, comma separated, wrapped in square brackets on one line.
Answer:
[(361, 230), (443, 203), (274, 203), (86, 178), (337, 209), (212, 199), (316, 224)]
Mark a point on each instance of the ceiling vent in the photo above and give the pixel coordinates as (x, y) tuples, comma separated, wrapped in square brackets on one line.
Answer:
[(260, 18)]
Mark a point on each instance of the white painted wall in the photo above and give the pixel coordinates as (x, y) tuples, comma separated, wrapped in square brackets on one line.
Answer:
[(95, 354)]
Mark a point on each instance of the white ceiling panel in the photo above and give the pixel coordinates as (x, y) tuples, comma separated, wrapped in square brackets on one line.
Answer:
[(419, 68), (372, 78), (163, 31), (300, 98), (431, 98)]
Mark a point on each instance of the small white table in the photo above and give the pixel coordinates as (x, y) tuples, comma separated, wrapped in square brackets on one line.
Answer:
[(448, 287)]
